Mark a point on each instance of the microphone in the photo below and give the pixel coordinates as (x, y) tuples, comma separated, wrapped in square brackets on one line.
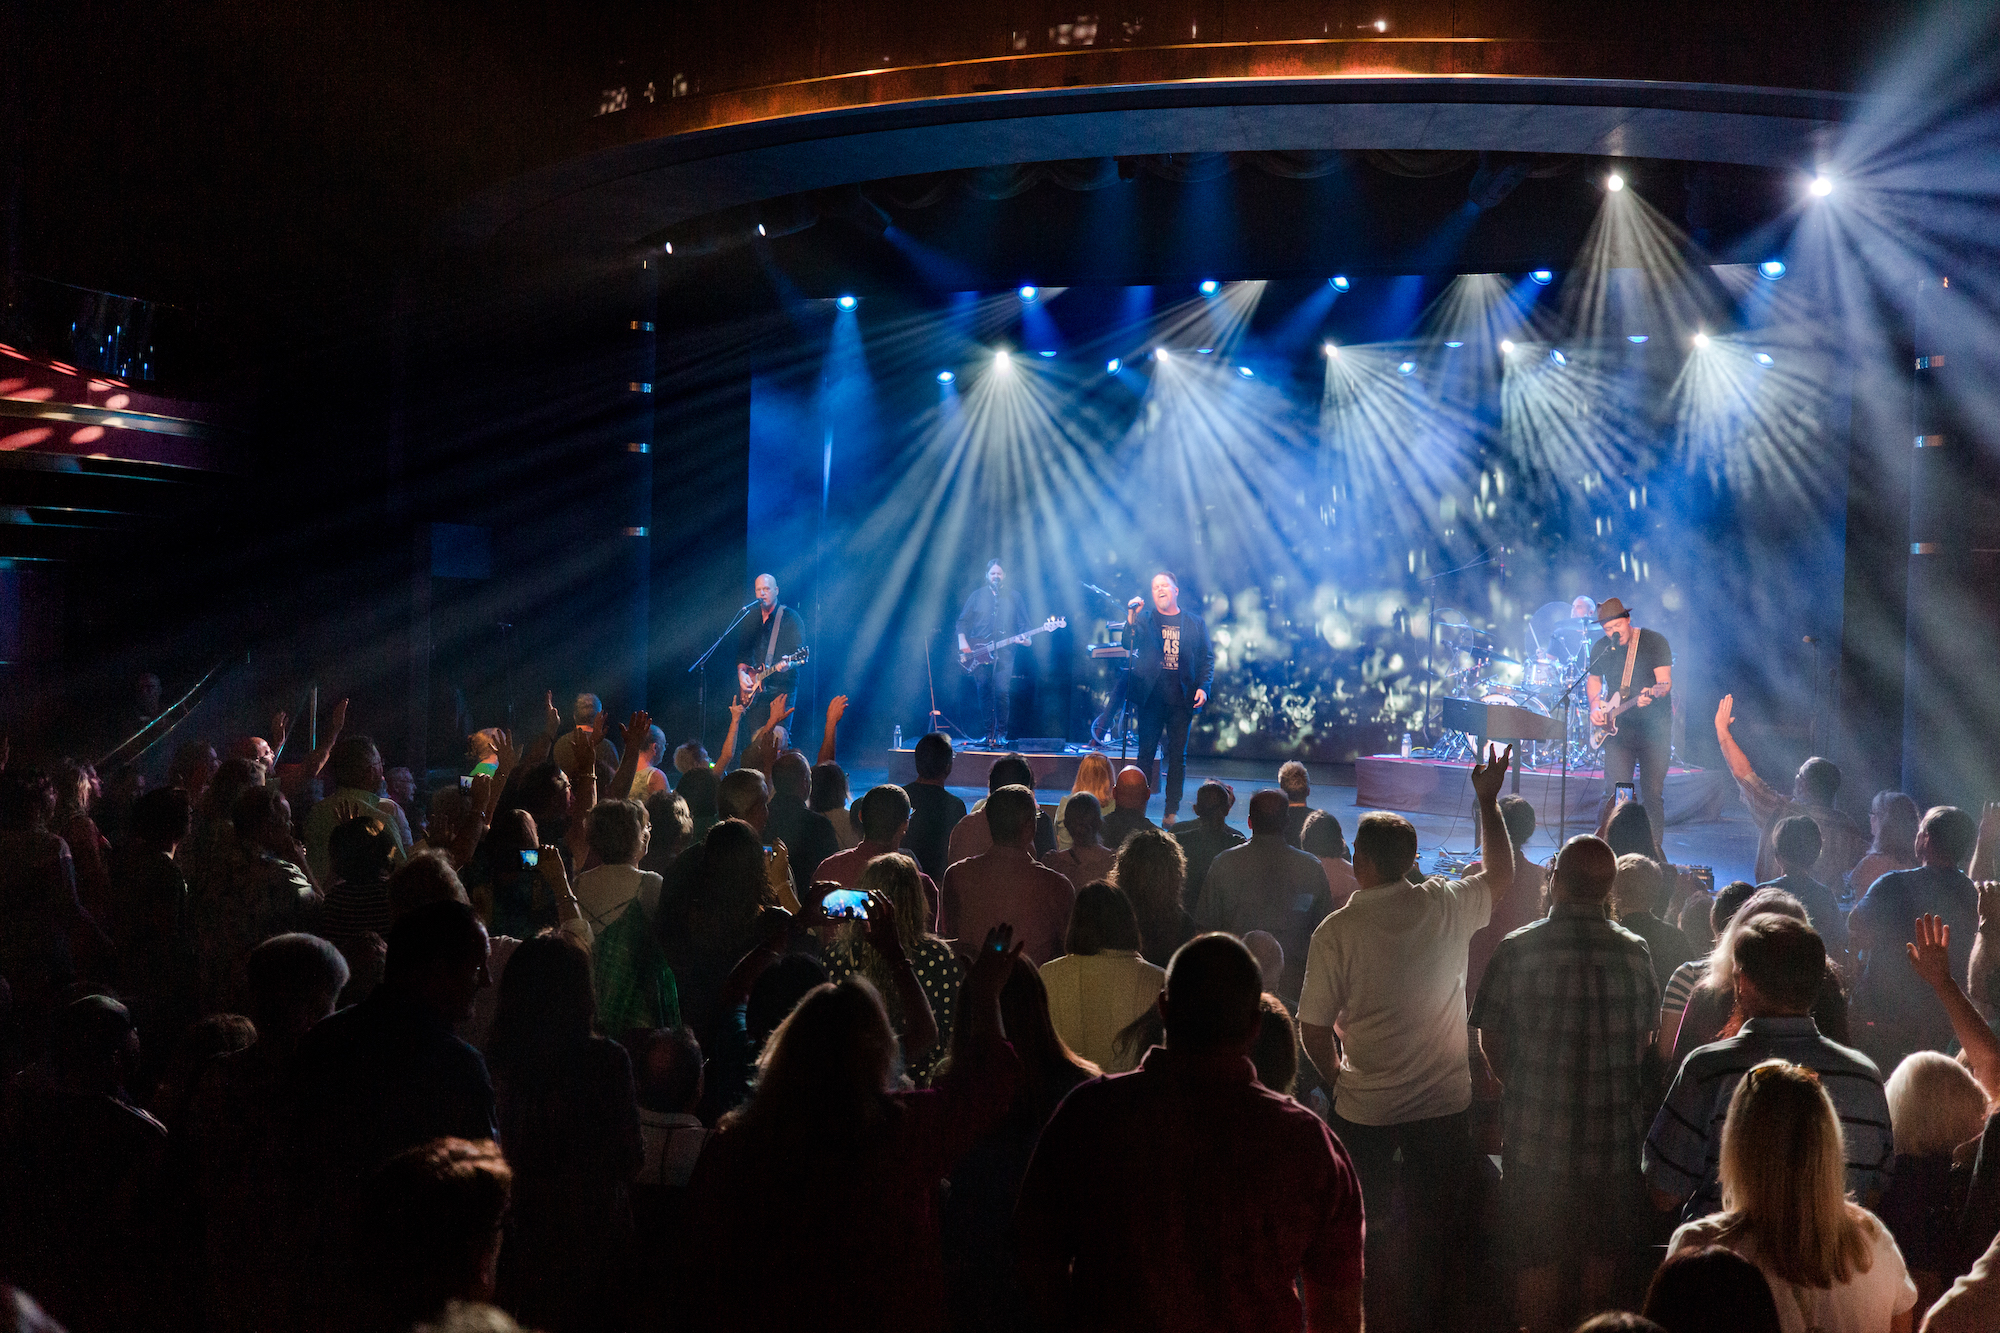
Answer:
[(747, 605), (1811, 640), (1136, 603)]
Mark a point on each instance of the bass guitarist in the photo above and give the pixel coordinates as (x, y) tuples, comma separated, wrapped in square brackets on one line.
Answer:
[(773, 633), (1631, 675), (992, 612)]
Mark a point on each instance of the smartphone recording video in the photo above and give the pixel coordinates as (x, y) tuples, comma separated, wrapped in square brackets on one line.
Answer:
[(530, 859), (845, 905)]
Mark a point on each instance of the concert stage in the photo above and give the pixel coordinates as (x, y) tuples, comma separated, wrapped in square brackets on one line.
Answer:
[(1053, 772), (1433, 787)]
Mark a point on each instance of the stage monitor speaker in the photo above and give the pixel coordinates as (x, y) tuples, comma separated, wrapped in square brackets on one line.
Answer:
[(1038, 745)]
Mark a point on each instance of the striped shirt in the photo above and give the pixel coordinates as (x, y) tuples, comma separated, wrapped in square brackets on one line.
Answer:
[(1682, 984), (1575, 1001), (1686, 1142)]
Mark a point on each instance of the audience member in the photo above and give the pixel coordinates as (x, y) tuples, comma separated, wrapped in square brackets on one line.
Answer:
[(430, 1227), (892, 948), (1266, 884), (1814, 787), (1829, 1260), (264, 890), (1086, 858), (1296, 784), (37, 899), (1565, 1014), (1628, 831), (1780, 964), (586, 741), (1892, 827), (829, 798), (1386, 972), (357, 781), (1637, 896), (1129, 795), (193, 767), (570, 1122), (1275, 1053), (1935, 1108), (1618, 1321), (885, 822), (1207, 835), (1152, 870), (1972, 1305), (666, 1067), (689, 756), (149, 915), (1796, 843), (1129, 1221), (1324, 838), (1007, 884), (1681, 986), (934, 812), (700, 788), (1893, 1001), (670, 831), (1710, 1289), (648, 780), (1270, 955), (808, 835), (77, 790), (356, 915), (1713, 1013), (972, 837), (620, 835), (825, 1136), (1101, 983), (1093, 777), (703, 937), (400, 786), (1524, 903)]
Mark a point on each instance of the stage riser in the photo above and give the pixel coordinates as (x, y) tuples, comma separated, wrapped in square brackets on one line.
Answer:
[(1693, 796), (1053, 772)]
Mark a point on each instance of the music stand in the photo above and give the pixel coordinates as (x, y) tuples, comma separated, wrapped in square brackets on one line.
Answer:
[(939, 722), (1500, 722)]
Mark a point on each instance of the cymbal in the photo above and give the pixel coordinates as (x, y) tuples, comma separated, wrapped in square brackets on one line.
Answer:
[(1447, 617)]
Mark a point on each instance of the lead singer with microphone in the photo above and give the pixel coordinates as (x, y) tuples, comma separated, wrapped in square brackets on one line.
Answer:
[(1172, 668)]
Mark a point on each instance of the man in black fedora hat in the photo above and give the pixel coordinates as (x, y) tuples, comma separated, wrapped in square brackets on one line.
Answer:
[(1631, 674)]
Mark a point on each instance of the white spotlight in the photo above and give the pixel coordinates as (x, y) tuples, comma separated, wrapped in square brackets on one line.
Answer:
[(1029, 293), (1556, 355), (1339, 283), (1113, 366), (1771, 269), (1160, 354), (846, 302), (1456, 342), (1003, 360), (1381, 25), (1246, 372), (1209, 286), (760, 229), (1543, 276), (1506, 347), (1332, 351), (1822, 185), (1701, 340), (1764, 359), (1406, 367), (945, 377), (1614, 182), (1636, 337)]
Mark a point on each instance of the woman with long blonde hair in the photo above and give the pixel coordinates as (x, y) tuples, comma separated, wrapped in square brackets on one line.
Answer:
[(1832, 1265), (894, 876), (1093, 774)]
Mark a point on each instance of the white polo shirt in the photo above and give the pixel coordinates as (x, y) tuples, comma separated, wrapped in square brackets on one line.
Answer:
[(1388, 970)]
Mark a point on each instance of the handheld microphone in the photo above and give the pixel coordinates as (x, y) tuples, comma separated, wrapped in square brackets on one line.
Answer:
[(1136, 603)]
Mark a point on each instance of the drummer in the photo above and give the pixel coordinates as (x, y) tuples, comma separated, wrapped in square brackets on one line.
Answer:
[(1584, 609)]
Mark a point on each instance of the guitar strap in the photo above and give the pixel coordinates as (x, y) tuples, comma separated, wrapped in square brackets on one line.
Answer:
[(778, 618), (1631, 660)]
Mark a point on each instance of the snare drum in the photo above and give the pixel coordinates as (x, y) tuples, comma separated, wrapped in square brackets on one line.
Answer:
[(1544, 672)]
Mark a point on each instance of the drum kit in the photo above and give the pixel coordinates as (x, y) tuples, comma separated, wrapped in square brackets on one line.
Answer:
[(1557, 649)]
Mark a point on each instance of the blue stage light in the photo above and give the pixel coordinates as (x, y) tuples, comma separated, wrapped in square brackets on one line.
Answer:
[(1113, 366), (1209, 287), (946, 377), (1029, 293), (1636, 337), (1455, 342), (1338, 283), (846, 302), (1772, 269), (1406, 367), (1045, 354), (1246, 372), (1204, 351), (1764, 359), (1543, 276), (1556, 355)]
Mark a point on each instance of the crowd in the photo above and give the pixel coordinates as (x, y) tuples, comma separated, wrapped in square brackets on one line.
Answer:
[(607, 1036)]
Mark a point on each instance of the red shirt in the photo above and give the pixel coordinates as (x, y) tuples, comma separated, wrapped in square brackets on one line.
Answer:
[(1186, 1195), (845, 868), (1008, 884)]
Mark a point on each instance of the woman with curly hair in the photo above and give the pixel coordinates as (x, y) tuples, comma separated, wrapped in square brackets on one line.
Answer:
[(1152, 869)]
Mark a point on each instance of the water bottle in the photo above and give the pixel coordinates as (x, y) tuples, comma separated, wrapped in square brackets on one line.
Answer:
[(897, 742), (1406, 745)]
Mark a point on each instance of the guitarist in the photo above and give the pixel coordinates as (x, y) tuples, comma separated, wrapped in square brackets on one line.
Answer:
[(992, 612), (774, 632), (1637, 665)]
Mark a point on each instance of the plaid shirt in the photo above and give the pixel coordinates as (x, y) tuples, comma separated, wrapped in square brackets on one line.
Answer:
[(1685, 1146), (1574, 998)]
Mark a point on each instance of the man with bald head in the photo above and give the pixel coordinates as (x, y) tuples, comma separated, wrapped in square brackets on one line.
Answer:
[(1267, 884), (1565, 1014), (769, 632), (1129, 793)]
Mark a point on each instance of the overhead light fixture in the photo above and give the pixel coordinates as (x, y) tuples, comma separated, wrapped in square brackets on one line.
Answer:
[(1543, 276), (1635, 337), (1556, 355), (1338, 283), (1701, 340), (846, 302), (1772, 269), (1381, 25), (1209, 286), (1029, 293), (1246, 372), (1822, 185), (1160, 354), (945, 377), (1764, 359), (1045, 354), (1332, 351), (1506, 347), (1456, 342), (1113, 366), (760, 229), (1614, 182), (670, 247), (1406, 367), (1003, 359), (1204, 351)]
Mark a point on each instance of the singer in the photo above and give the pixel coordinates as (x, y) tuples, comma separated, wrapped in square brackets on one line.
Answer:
[(1641, 663), (774, 632)]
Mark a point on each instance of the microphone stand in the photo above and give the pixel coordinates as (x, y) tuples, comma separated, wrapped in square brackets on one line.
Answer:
[(939, 722), (1562, 817), (701, 664)]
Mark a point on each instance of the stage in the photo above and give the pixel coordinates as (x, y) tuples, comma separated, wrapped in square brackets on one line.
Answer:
[(1434, 787)]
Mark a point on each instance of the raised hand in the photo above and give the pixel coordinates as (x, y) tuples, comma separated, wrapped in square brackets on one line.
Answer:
[(836, 709), (735, 711), (778, 866), (1725, 713), (1930, 952), (551, 715), (1989, 900), (882, 926), (636, 728), (995, 963), (504, 755), (1487, 778), (281, 726), (779, 711), (336, 720)]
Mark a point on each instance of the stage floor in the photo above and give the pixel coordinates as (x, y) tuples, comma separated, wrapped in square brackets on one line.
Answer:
[(1726, 841), (1391, 782)]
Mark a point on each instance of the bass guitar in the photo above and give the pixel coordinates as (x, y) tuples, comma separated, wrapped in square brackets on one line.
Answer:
[(750, 679), (1614, 708), (981, 654)]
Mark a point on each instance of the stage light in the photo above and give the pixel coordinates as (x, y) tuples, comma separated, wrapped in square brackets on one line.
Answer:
[(760, 229), (846, 302), (1543, 276), (946, 377), (1701, 340), (1045, 354), (1160, 354), (1614, 182), (1003, 360), (1772, 269), (1112, 366), (1204, 351), (1209, 286), (1029, 293), (1338, 283), (670, 247), (1635, 337), (1246, 372), (1764, 359), (1506, 347), (1822, 185), (1332, 351), (1381, 25), (1556, 355), (1406, 367), (1456, 342)]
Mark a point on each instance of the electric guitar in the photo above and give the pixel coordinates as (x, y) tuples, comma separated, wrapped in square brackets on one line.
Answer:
[(750, 679), (981, 654), (1614, 708)]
